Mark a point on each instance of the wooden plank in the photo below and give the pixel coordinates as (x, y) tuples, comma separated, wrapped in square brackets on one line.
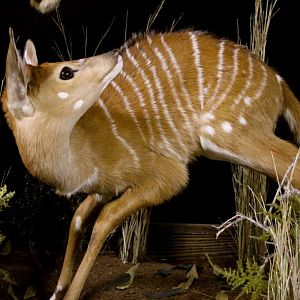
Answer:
[(188, 243)]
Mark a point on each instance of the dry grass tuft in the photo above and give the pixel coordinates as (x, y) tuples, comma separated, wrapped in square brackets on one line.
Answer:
[(134, 236), (248, 183)]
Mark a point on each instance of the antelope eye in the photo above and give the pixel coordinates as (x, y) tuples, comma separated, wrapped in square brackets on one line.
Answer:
[(66, 73)]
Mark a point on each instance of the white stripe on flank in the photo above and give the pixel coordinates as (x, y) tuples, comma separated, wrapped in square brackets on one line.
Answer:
[(196, 55), (232, 81), (179, 106), (263, 83), (164, 105), (179, 75), (149, 40), (128, 107), (150, 92), (247, 84), (220, 67), (260, 89), (116, 133), (154, 103), (142, 103)]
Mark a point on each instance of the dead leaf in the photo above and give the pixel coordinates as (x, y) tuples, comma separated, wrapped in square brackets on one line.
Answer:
[(191, 275), (192, 272), (216, 269), (119, 280), (131, 273)]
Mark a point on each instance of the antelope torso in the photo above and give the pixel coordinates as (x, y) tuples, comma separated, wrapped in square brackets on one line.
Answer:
[(178, 89), (178, 95)]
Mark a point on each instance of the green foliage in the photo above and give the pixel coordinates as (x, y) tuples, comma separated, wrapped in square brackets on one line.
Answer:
[(36, 220), (281, 228), (4, 203), (4, 199), (5, 277), (251, 279)]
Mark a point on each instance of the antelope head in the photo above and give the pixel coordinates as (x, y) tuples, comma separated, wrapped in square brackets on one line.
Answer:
[(59, 91)]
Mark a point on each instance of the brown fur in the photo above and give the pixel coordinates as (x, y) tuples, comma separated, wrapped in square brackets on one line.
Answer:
[(136, 140)]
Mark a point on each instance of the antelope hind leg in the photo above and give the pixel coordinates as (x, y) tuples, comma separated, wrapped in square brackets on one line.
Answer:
[(265, 153)]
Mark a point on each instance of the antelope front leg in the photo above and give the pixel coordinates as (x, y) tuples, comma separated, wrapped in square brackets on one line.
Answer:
[(80, 218), (166, 180)]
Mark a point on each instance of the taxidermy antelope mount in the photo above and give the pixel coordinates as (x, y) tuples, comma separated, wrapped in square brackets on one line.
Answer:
[(124, 125)]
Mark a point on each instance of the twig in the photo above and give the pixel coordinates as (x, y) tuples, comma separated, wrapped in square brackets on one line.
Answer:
[(104, 35), (58, 22), (175, 22), (153, 17), (126, 26)]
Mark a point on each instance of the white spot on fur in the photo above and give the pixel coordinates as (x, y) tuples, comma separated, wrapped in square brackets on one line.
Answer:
[(63, 95), (53, 297), (78, 223), (78, 104), (208, 117), (248, 101), (242, 120), (226, 126), (209, 130)]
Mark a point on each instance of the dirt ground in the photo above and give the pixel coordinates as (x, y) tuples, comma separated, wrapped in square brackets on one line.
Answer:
[(150, 282)]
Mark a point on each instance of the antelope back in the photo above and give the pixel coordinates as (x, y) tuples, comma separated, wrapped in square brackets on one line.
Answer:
[(175, 88)]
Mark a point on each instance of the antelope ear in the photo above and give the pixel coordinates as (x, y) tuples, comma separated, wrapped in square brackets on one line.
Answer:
[(30, 57), (17, 77)]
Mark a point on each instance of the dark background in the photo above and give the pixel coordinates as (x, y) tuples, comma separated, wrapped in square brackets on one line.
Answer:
[(209, 197)]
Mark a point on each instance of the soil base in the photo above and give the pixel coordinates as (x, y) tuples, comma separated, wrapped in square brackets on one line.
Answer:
[(149, 280)]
